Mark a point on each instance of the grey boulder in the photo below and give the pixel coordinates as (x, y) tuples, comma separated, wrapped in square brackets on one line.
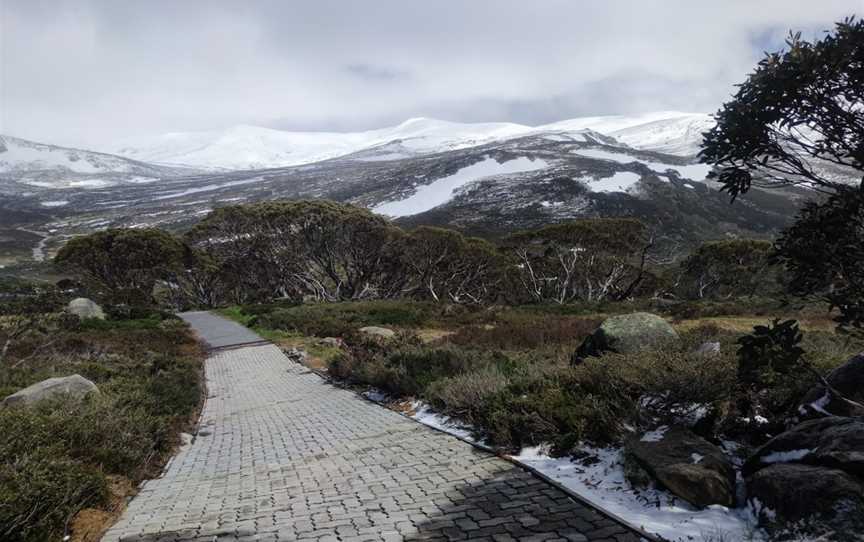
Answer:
[(625, 334), (686, 464), (85, 308), (787, 492), (835, 442), (74, 386), (848, 380)]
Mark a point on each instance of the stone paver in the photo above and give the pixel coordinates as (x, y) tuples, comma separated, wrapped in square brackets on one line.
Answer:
[(218, 332), (282, 455)]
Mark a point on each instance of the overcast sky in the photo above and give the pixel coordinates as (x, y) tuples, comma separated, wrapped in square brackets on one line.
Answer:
[(88, 72)]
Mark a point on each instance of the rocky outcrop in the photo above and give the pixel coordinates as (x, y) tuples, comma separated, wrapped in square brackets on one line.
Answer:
[(786, 492), (74, 386), (626, 333), (85, 308), (847, 380), (685, 464), (835, 442), (812, 473), (377, 332)]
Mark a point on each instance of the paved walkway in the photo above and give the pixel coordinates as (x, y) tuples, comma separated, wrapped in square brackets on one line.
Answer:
[(282, 455), (218, 332)]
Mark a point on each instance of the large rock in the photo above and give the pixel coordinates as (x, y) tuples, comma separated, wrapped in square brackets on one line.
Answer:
[(85, 308), (74, 386), (835, 442), (848, 380), (686, 464), (787, 492), (626, 333), (377, 332)]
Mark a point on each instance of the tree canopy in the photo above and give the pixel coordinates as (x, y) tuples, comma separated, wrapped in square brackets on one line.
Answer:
[(123, 263), (589, 259), (798, 119)]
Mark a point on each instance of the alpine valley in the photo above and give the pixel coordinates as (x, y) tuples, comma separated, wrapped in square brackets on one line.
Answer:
[(485, 179)]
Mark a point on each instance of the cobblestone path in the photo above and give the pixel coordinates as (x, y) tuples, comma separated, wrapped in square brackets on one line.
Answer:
[(283, 455)]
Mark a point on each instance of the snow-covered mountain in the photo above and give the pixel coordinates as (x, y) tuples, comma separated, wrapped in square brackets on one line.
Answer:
[(251, 147), (38, 165), (484, 179)]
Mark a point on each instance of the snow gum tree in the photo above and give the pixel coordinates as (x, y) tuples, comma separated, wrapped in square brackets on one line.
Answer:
[(584, 260), (798, 120)]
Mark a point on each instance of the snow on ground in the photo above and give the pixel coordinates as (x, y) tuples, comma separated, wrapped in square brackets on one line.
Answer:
[(442, 190), (620, 181), (206, 188), (696, 172), (602, 482), (27, 156), (658, 512), (785, 457)]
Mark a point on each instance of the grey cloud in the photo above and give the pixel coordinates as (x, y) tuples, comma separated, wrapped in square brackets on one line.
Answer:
[(89, 71), (376, 73)]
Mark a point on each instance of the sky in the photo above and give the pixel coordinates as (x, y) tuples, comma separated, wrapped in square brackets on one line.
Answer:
[(91, 72)]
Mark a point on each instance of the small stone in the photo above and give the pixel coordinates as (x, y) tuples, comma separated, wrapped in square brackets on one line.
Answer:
[(708, 349), (85, 308)]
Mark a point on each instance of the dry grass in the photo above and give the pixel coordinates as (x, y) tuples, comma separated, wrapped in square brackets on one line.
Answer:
[(431, 335), (91, 523), (744, 324)]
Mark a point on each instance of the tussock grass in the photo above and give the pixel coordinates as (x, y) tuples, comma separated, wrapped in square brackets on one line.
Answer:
[(56, 457)]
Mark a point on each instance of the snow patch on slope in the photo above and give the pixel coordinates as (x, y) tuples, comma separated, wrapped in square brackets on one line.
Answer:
[(620, 181), (442, 190), (696, 172)]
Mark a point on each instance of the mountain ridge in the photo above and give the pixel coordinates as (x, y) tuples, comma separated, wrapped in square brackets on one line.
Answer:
[(253, 147)]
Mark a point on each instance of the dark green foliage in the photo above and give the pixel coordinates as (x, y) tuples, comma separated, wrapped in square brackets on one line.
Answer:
[(725, 269), (769, 350), (526, 397), (55, 456), (587, 260), (824, 254), (123, 264), (796, 121), (319, 249), (41, 491), (338, 320), (446, 266), (795, 113)]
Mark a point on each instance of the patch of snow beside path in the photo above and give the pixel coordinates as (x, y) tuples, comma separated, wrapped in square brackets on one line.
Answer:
[(603, 484)]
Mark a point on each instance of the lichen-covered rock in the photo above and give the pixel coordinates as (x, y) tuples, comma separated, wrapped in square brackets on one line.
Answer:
[(685, 464), (786, 492), (377, 332), (74, 386), (626, 333), (833, 442), (848, 380), (85, 308)]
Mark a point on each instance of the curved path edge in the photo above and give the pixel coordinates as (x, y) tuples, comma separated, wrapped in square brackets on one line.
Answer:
[(281, 454)]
